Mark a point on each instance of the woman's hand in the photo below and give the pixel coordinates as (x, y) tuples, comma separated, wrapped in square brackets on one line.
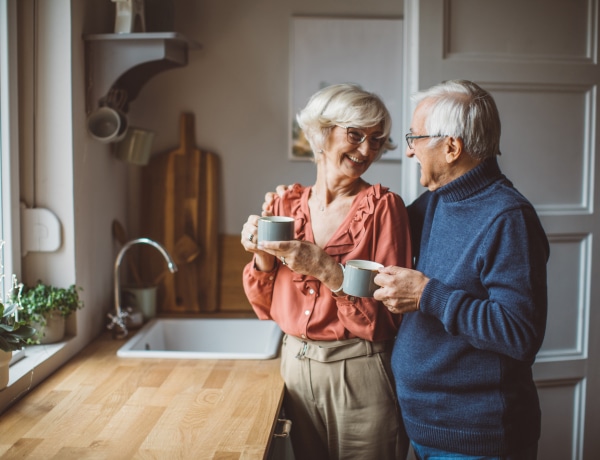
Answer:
[(306, 258), (401, 288), (264, 261)]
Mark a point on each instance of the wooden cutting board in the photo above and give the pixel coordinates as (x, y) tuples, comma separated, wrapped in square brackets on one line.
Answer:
[(180, 210)]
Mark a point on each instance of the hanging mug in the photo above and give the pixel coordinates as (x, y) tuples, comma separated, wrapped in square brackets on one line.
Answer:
[(107, 125), (135, 148)]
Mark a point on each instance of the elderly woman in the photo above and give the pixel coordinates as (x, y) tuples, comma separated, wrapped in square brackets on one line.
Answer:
[(336, 351)]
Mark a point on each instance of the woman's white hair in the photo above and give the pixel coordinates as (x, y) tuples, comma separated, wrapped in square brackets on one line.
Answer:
[(343, 104), (460, 108)]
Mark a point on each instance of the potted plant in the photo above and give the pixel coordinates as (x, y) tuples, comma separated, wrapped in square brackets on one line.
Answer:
[(14, 334), (46, 308)]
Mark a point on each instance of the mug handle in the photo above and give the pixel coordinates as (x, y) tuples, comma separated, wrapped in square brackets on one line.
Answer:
[(341, 285)]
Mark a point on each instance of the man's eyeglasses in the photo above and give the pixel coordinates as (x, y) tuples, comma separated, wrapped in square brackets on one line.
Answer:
[(410, 138), (356, 137)]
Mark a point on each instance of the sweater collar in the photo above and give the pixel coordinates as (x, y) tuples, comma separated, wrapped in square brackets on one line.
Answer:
[(471, 182)]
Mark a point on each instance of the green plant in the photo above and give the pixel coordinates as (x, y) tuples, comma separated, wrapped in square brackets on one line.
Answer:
[(14, 332), (41, 300)]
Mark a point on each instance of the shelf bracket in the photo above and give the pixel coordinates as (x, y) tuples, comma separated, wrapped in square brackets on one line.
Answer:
[(125, 62)]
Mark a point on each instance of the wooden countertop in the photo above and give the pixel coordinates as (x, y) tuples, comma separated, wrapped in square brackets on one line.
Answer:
[(104, 407)]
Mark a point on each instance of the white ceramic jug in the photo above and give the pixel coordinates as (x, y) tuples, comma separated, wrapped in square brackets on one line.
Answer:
[(129, 16)]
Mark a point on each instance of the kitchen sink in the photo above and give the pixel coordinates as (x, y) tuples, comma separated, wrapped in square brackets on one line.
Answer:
[(204, 338)]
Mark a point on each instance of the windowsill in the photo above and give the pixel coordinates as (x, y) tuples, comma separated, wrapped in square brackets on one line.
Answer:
[(17, 356), (28, 371), (34, 355)]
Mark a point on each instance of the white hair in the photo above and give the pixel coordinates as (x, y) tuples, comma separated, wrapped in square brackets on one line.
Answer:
[(343, 104), (460, 108)]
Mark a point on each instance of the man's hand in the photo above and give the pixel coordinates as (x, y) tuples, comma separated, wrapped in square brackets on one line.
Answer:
[(270, 196), (401, 288)]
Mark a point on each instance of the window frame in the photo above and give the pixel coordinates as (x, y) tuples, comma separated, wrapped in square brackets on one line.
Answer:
[(37, 361), (9, 144)]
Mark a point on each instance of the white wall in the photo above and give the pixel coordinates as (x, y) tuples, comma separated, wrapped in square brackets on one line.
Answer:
[(63, 170), (237, 87)]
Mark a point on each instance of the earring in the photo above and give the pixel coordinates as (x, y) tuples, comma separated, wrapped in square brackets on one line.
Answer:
[(320, 151)]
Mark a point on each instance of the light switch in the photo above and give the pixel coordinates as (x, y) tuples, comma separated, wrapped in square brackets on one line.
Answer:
[(40, 230)]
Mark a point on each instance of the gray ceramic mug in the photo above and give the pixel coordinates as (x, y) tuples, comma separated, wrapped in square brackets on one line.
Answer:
[(359, 278), (275, 228), (106, 124)]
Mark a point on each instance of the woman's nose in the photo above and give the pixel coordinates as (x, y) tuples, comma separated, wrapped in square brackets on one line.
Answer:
[(363, 149), (410, 152)]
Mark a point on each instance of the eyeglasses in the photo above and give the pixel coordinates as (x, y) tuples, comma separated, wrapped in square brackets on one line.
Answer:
[(410, 138), (356, 137)]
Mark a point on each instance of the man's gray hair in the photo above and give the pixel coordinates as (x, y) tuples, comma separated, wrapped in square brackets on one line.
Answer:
[(460, 108)]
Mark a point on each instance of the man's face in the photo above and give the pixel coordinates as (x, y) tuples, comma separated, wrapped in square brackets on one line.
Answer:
[(435, 170)]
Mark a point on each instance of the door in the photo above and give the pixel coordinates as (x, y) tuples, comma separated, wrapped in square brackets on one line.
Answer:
[(539, 60)]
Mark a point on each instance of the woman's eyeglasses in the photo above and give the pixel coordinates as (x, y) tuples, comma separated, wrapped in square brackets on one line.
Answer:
[(356, 137)]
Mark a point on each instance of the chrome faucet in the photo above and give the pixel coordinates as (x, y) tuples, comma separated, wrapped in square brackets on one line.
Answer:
[(118, 321)]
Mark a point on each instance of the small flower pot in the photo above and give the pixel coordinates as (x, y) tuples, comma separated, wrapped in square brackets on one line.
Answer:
[(53, 331), (142, 298)]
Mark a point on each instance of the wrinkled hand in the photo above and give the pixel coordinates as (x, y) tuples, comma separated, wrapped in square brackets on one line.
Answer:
[(401, 288), (270, 196), (306, 258), (264, 261)]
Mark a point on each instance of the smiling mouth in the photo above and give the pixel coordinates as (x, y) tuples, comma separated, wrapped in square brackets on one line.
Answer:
[(355, 159)]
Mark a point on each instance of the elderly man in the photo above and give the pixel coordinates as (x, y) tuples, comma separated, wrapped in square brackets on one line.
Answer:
[(475, 306)]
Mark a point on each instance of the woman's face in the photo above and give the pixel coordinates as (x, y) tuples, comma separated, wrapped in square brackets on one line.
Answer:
[(343, 150)]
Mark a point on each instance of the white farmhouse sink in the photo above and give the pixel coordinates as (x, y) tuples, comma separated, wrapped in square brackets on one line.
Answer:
[(204, 338)]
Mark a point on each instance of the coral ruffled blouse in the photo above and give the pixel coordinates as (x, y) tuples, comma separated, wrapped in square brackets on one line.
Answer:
[(376, 228)]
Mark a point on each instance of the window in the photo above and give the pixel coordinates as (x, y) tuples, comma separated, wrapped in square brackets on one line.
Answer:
[(9, 173)]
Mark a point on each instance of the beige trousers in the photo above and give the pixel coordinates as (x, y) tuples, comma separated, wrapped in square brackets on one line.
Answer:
[(340, 397)]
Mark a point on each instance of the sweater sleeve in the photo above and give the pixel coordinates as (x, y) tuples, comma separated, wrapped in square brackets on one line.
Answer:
[(511, 318)]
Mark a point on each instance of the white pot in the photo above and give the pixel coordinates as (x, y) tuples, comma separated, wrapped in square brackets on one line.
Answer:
[(144, 299), (53, 331), (5, 357)]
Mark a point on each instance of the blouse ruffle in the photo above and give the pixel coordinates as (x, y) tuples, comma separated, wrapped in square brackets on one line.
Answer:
[(355, 231)]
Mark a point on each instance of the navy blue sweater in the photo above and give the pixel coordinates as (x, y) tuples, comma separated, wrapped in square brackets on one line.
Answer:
[(462, 363)]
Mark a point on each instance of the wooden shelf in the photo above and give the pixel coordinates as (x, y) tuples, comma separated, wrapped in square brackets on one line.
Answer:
[(126, 62)]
